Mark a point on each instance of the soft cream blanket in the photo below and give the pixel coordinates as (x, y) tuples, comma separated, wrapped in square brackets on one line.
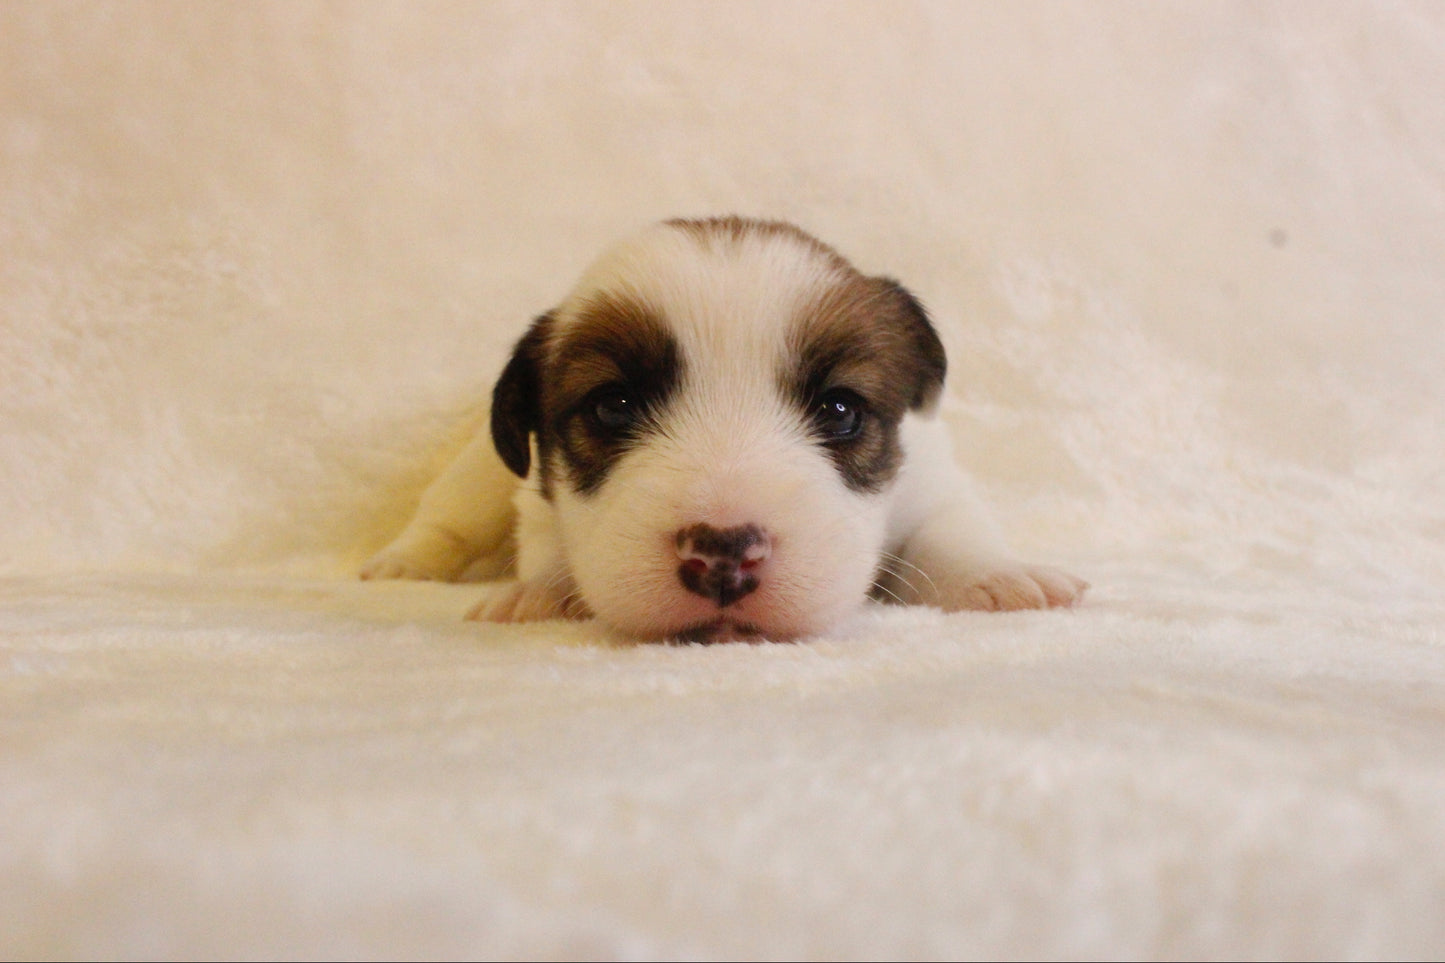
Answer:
[(259, 263)]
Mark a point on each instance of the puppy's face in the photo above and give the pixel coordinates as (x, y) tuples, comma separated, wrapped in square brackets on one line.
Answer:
[(715, 411)]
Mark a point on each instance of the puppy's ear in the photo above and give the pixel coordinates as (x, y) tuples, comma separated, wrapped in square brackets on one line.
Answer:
[(930, 364), (517, 399)]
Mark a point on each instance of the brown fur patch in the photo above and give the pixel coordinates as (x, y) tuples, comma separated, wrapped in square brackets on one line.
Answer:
[(871, 337), (617, 348)]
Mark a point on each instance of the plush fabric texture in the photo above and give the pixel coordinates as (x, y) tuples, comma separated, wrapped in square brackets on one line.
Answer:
[(259, 264)]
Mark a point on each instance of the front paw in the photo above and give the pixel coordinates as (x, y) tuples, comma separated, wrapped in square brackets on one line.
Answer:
[(1014, 588), (387, 565), (419, 553), (529, 602)]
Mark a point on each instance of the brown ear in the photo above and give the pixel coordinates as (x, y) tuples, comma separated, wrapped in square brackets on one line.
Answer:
[(931, 363), (517, 399)]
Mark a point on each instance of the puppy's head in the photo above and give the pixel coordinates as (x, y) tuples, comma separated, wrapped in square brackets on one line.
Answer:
[(715, 411)]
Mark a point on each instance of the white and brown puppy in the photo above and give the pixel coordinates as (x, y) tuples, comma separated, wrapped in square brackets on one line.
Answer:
[(725, 431)]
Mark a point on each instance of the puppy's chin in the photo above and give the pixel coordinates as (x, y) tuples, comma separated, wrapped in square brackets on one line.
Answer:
[(723, 630), (719, 629), (722, 627)]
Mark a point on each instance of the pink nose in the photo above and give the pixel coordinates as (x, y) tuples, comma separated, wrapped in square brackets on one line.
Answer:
[(722, 564)]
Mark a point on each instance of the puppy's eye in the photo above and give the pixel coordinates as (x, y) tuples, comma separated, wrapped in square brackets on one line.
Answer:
[(839, 415), (612, 410)]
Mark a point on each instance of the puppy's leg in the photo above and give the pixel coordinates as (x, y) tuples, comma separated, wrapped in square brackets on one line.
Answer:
[(544, 588), (950, 553), (462, 528), (946, 565)]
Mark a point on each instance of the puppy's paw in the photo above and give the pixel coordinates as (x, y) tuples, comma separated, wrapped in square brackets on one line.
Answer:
[(385, 565), (429, 555), (1014, 588), (529, 602)]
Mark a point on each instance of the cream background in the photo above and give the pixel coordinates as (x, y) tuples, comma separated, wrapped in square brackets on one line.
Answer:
[(259, 262)]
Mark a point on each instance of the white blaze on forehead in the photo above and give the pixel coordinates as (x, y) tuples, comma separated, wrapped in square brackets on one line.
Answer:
[(730, 299)]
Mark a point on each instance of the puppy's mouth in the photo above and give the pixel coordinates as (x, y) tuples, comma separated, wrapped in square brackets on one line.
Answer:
[(719, 630)]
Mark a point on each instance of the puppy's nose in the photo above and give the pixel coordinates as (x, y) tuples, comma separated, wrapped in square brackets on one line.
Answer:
[(722, 564)]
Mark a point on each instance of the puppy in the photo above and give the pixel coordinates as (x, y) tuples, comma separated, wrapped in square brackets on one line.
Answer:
[(725, 431)]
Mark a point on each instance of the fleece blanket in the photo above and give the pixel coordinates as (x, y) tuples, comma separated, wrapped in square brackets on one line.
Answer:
[(259, 264)]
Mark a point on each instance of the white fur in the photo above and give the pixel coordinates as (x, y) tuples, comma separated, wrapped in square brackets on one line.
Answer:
[(730, 451)]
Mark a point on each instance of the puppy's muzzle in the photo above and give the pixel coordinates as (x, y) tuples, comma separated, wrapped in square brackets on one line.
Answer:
[(722, 564)]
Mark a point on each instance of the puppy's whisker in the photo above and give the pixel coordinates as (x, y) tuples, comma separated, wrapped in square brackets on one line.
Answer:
[(568, 599), (900, 569), (890, 559), (878, 586)]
